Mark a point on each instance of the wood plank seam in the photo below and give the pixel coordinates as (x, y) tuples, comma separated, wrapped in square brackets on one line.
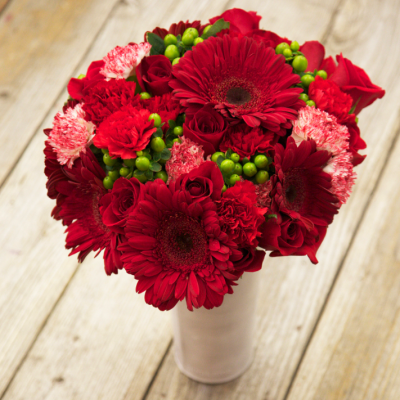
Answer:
[(44, 323), (153, 379), (76, 72), (342, 262), (4, 7), (331, 22)]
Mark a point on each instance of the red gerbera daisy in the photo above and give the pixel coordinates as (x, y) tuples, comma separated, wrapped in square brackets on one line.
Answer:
[(82, 191), (244, 80), (300, 186), (176, 249)]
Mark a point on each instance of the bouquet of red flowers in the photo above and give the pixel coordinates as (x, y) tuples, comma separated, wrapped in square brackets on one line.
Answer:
[(186, 156)]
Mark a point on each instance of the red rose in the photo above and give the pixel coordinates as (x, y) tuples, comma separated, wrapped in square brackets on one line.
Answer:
[(125, 132), (76, 86), (177, 29), (154, 73), (354, 81), (328, 97), (206, 127), (117, 205), (240, 21), (251, 261), (286, 236), (204, 181), (269, 38), (239, 215), (314, 51), (247, 141), (106, 97)]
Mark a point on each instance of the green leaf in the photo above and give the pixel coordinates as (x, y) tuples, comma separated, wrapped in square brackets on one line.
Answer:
[(155, 167), (156, 156), (217, 27), (149, 175), (138, 172), (269, 216), (354, 106), (219, 160), (171, 124), (228, 154), (157, 133), (157, 44), (166, 154)]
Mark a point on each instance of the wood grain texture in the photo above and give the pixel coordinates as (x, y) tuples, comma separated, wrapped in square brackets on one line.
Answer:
[(294, 290), (41, 42), (35, 269)]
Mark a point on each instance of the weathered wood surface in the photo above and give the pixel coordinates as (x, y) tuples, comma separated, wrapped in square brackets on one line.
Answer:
[(73, 333)]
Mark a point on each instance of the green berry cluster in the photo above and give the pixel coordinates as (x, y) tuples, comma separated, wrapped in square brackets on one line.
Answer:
[(296, 59), (149, 163), (176, 46), (233, 167)]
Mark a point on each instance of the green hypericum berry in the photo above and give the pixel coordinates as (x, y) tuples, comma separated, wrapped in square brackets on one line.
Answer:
[(300, 63), (227, 166), (224, 189), (295, 46), (156, 118), (198, 40), (141, 178), (193, 31), (310, 103), (161, 175), (114, 174), (157, 144), (187, 39), (262, 177), (124, 171), (238, 170), (176, 140), (235, 157), (170, 39), (322, 74), (139, 153), (261, 161), (281, 46), (356, 120), (175, 60), (104, 151), (145, 96), (108, 182), (304, 97), (287, 53), (81, 76), (233, 179), (171, 52), (215, 156), (249, 169), (108, 160), (142, 163), (178, 130), (131, 162), (307, 79), (206, 29)]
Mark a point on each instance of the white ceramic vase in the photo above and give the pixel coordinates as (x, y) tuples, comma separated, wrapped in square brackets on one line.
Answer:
[(216, 346)]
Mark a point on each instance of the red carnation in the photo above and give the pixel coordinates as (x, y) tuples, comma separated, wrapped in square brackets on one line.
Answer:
[(177, 250), (239, 215), (300, 188), (119, 203), (106, 97), (240, 21), (76, 86), (125, 132), (289, 237), (243, 79), (154, 73), (247, 141), (206, 127), (82, 191), (204, 181)]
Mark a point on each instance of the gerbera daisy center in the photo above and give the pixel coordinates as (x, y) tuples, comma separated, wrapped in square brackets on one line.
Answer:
[(294, 189), (237, 96)]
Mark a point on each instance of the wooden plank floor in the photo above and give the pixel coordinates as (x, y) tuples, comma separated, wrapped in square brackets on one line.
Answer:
[(67, 331)]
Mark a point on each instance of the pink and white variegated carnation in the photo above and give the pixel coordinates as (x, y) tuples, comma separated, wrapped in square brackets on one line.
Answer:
[(323, 128), (343, 176), (121, 62), (185, 156), (71, 135)]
